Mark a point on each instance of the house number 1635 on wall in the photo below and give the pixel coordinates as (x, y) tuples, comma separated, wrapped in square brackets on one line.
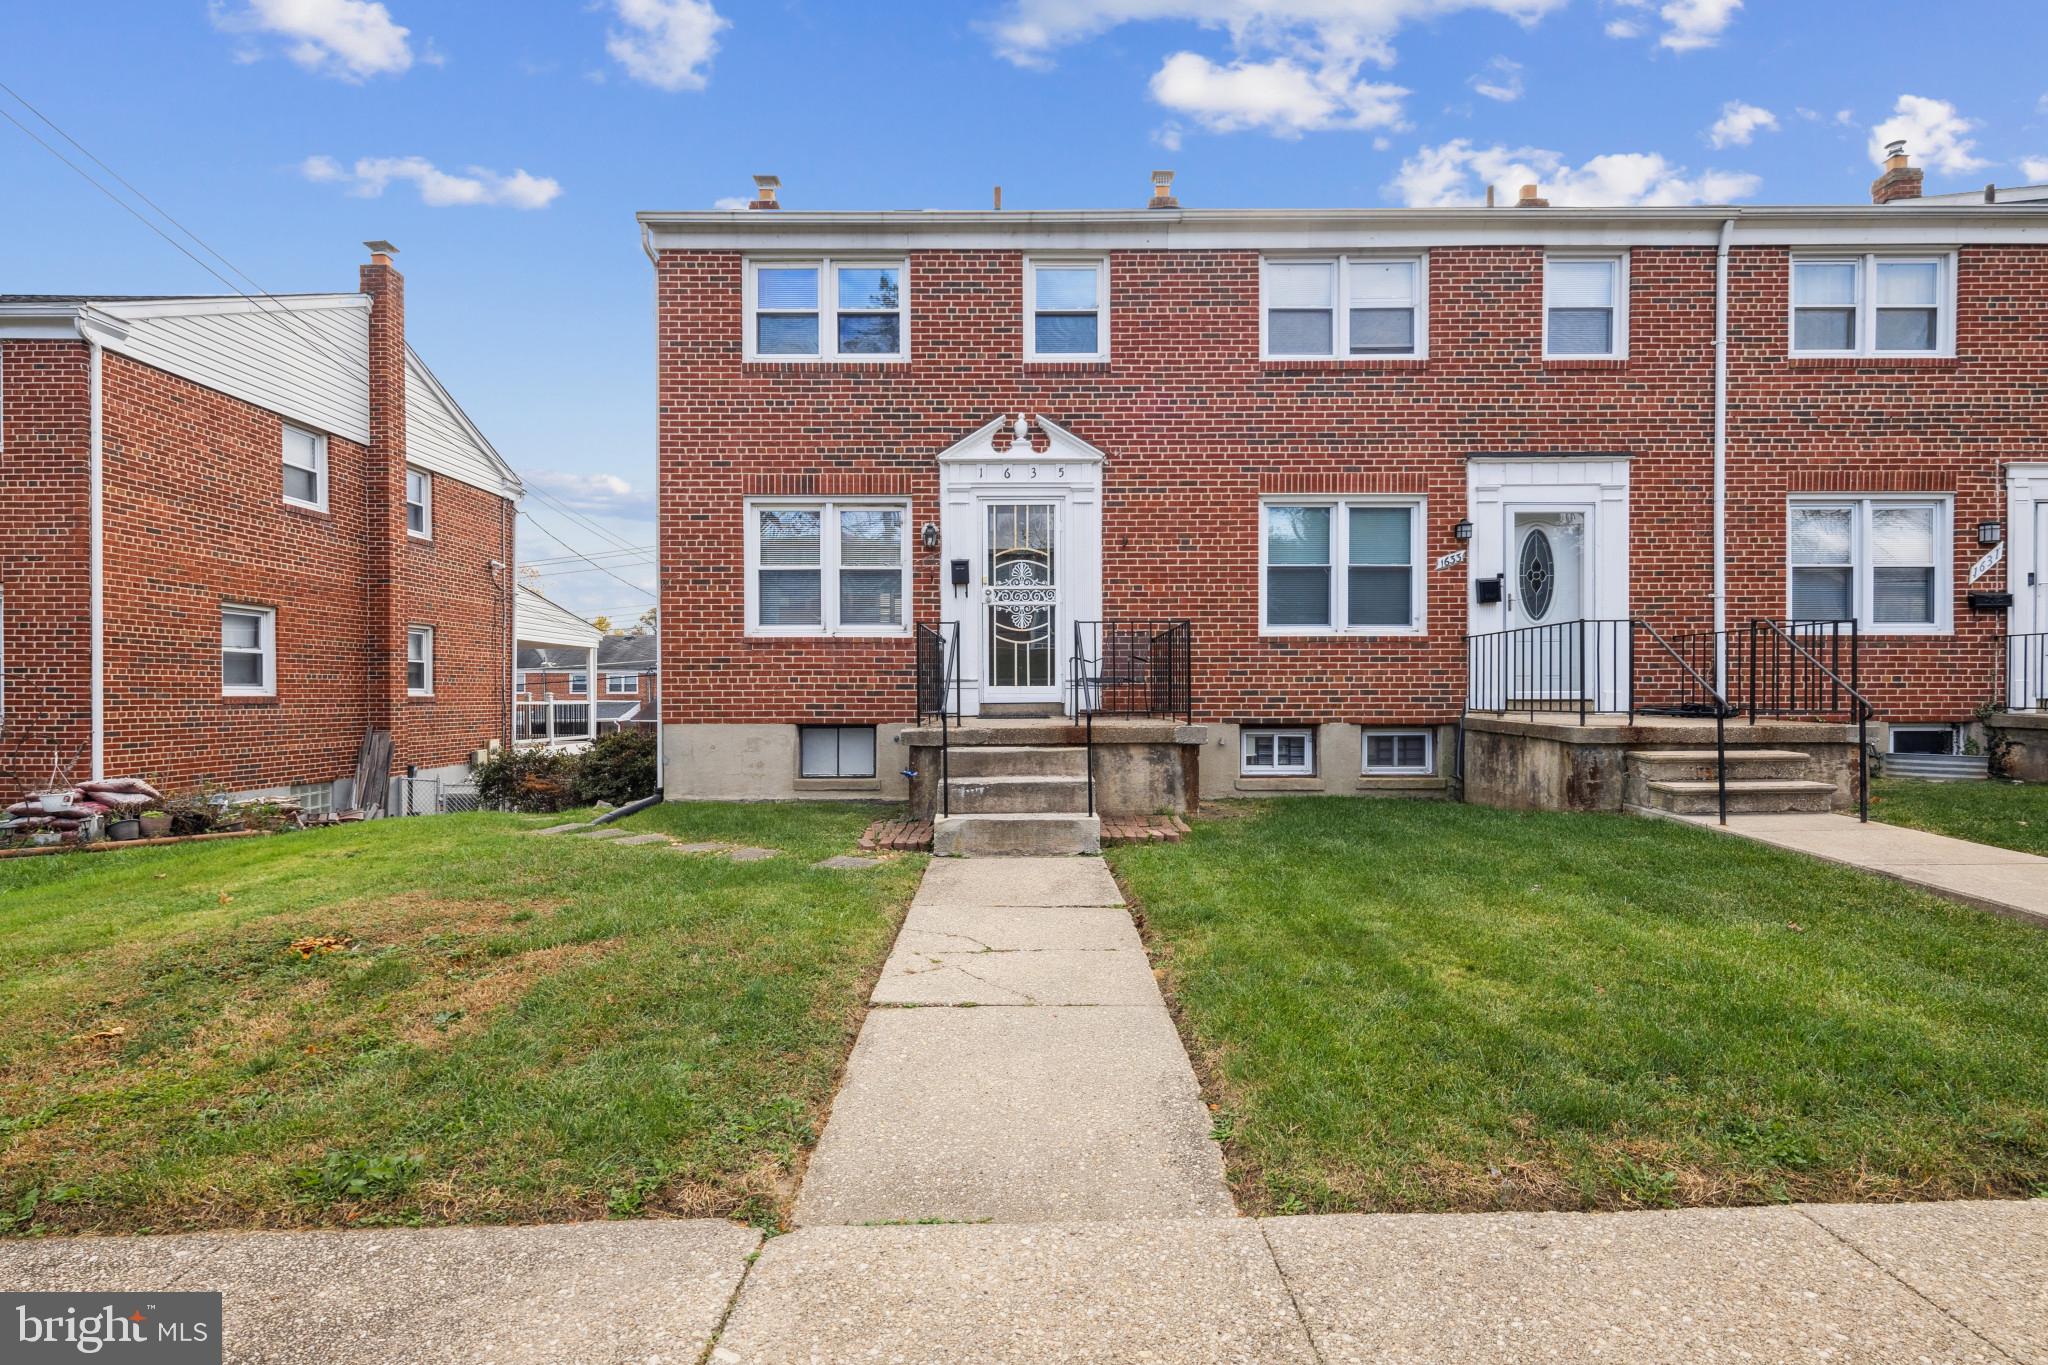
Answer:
[(1030, 472)]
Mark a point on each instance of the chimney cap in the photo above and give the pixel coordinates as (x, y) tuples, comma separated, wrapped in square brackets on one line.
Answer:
[(1531, 198), (768, 182), (1896, 147), (380, 247), (1162, 191)]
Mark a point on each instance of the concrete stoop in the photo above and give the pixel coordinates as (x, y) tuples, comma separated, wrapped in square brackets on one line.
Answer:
[(1015, 835), (1760, 782)]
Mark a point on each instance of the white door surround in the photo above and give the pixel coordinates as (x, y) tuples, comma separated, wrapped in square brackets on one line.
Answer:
[(981, 490), (2026, 574)]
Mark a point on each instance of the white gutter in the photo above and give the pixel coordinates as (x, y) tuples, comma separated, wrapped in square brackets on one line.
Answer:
[(97, 571), (1721, 457)]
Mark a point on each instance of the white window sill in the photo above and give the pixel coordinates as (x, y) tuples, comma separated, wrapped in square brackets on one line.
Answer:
[(1569, 357), (1344, 359), (410, 693), (320, 507), (415, 535), (827, 359), (1343, 632), (246, 694), (843, 633)]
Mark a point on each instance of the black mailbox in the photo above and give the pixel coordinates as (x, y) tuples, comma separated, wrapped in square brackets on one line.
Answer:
[(1990, 601), (959, 573), (1489, 590)]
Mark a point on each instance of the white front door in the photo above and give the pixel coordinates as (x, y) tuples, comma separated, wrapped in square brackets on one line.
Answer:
[(2026, 660), (1022, 565), (1548, 584)]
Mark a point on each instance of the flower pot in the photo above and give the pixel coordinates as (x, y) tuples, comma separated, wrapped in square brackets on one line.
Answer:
[(126, 828), (155, 826)]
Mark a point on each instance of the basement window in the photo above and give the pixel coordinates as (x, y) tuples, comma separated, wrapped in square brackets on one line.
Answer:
[(1923, 739), (835, 751), (1277, 753), (1397, 753)]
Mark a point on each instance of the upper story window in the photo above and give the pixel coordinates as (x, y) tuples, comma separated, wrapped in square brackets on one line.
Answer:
[(1880, 561), (419, 503), (827, 310), (1341, 566), (1873, 304), (622, 684), (1355, 307), (1066, 309), (1585, 307), (419, 661), (248, 651), (828, 568), (579, 684), (305, 468)]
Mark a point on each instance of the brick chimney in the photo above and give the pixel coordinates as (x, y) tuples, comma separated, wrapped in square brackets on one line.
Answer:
[(765, 189), (1901, 178), (1162, 191), (384, 497), (1530, 199)]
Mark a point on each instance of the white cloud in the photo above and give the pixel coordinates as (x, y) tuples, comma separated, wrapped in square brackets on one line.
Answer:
[(1278, 96), (2034, 168), (732, 203), (1740, 122), (1457, 173), (1501, 80), (666, 43), (1695, 23), (1168, 135), (601, 494), (370, 175), (1624, 28), (348, 39), (1933, 132)]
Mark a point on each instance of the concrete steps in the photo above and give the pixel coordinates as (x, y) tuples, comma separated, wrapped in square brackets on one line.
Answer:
[(1018, 760), (1745, 797), (1761, 781), (1015, 835), (1697, 765), (1018, 794)]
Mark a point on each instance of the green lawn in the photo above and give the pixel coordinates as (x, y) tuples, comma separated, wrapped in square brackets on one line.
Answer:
[(2008, 814), (508, 1027), (1408, 1005)]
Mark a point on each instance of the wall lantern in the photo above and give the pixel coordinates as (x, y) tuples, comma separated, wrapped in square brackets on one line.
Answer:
[(1990, 532), (1462, 531), (929, 536)]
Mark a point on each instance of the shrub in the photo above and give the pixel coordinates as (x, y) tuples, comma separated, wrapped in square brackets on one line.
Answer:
[(535, 781), (618, 768)]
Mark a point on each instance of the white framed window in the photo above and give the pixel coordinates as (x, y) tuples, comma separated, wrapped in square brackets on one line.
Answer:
[(419, 503), (1393, 753), (1585, 307), (1277, 753), (827, 309), (1925, 739), (827, 568), (419, 661), (1344, 307), (1066, 308), (622, 684), (835, 751), (1872, 303), (248, 651), (305, 468), (579, 684), (1341, 566), (1883, 562)]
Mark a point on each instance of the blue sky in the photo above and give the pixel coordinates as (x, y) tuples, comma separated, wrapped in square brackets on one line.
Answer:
[(505, 147)]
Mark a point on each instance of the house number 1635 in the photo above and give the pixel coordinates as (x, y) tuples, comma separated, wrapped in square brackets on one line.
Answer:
[(1031, 472)]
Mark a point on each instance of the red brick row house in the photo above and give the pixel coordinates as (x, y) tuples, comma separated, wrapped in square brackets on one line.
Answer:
[(1345, 447), (236, 534)]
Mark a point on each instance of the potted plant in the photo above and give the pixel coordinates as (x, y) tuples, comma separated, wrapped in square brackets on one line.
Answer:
[(124, 827), (156, 822)]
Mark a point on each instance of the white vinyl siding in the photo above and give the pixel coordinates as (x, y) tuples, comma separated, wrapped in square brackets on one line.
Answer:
[(828, 310), (1066, 309), (1585, 307), (305, 468), (248, 651), (1394, 753), (1277, 753), (1344, 307), (1883, 562), (1347, 565), (843, 751), (1872, 304), (419, 504), (419, 661), (827, 568)]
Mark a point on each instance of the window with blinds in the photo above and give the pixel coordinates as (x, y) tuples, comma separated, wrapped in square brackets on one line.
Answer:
[(1584, 310), (1354, 307), (1346, 565), (1878, 561)]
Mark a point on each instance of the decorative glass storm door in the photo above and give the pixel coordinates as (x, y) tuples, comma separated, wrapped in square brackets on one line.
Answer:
[(1021, 598), (1546, 588)]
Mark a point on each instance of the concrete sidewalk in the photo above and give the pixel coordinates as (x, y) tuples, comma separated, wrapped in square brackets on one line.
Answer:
[(2000, 880), (1031, 1073), (1962, 1282)]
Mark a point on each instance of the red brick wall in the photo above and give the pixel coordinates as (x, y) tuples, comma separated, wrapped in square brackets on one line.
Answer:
[(45, 602), (449, 583)]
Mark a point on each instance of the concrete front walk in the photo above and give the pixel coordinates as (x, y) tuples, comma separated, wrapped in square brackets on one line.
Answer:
[(637, 1291), (2000, 880), (1033, 1075)]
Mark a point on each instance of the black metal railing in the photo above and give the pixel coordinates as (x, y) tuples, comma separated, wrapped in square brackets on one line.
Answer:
[(938, 695), (1663, 678), (1130, 669), (1811, 670), (1561, 668), (2026, 672)]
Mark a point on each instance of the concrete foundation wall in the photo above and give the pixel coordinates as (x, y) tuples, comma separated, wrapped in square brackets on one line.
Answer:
[(1339, 758), (2023, 738), (759, 763)]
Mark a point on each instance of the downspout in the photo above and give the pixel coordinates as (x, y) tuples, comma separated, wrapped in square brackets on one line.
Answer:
[(96, 566), (1721, 457)]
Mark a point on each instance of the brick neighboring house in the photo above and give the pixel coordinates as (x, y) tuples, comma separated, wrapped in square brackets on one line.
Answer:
[(622, 685), (235, 535), (1279, 426)]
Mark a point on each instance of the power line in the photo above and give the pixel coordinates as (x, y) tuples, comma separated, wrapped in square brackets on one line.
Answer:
[(608, 555), (578, 517), (579, 554)]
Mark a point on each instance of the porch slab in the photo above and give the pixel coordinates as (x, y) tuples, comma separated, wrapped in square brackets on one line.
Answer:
[(1683, 1287), (1018, 881), (1115, 976)]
